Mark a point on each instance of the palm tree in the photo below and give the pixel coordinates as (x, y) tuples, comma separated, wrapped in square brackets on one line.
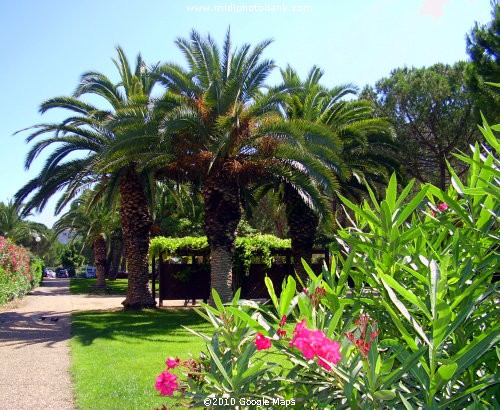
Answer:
[(13, 225), (92, 131), (357, 158), (224, 133)]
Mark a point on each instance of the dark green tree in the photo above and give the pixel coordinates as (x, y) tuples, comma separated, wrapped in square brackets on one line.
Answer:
[(432, 112), (483, 47), (71, 258)]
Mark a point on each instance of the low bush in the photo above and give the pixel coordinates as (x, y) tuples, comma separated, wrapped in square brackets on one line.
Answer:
[(19, 271)]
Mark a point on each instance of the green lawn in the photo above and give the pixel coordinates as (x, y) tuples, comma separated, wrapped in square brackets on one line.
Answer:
[(78, 286), (117, 355)]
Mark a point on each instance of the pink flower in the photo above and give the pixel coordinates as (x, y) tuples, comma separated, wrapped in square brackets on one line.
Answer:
[(328, 352), (171, 362), (443, 206), (313, 343), (262, 342), (166, 383)]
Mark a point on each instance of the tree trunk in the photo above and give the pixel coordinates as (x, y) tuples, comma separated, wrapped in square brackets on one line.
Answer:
[(100, 262), (302, 226), (222, 214), (116, 254), (136, 226)]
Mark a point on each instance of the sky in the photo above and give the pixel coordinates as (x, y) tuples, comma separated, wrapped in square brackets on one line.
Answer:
[(45, 46)]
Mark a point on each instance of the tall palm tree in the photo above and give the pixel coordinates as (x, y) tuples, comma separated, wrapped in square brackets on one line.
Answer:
[(357, 158), (92, 131), (224, 133)]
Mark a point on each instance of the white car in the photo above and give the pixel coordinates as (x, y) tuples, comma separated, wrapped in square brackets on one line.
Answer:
[(51, 273)]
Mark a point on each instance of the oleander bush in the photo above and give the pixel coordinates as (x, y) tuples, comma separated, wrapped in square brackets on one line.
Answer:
[(19, 271), (419, 329)]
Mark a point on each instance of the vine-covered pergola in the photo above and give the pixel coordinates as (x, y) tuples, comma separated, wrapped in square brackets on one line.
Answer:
[(183, 266)]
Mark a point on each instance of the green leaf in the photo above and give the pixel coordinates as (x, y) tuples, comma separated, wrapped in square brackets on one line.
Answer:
[(401, 327), (442, 376), (217, 301), (404, 193), (406, 403), (407, 294), (359, 211), (215, 358), (286, 296), (391, 192), (386, 218), (246, 318), (412, 205), (406, 314), (384, 395), (270, 290)]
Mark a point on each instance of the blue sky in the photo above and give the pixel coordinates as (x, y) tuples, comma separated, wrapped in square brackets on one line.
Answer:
[(46, 45)]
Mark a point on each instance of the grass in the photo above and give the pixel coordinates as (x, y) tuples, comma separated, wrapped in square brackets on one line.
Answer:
[(78, 286), (116, 355)]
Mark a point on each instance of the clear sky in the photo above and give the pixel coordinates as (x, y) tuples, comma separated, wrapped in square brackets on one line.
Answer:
[(45, 45)]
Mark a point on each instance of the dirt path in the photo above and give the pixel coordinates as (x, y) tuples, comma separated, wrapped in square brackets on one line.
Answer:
[(34, 351)]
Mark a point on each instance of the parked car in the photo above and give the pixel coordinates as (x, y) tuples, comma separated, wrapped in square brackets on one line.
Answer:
[(63, 273), (49, 273)]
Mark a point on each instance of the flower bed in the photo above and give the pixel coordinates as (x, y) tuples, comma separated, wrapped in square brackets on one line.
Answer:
[(19, 272)]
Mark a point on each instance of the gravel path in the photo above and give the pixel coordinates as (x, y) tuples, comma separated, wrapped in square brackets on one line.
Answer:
[(34, 351)]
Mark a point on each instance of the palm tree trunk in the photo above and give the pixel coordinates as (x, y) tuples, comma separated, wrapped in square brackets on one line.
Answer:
[(302, 226), (222, 214), (100, 262), (136, 226), (116, 254)]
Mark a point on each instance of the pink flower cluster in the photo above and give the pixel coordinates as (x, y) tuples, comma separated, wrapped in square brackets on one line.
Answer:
[(14, 259), (166, 382), (262, 342), (443, 206), (314, 343)]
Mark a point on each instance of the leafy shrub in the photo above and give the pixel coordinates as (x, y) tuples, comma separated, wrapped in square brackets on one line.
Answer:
[(18, 273), (418, 330)]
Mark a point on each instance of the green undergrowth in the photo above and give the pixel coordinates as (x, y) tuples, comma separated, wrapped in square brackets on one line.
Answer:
[(116, 355)]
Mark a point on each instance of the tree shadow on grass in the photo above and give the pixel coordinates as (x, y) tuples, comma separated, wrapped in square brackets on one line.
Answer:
[(147, 325)]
